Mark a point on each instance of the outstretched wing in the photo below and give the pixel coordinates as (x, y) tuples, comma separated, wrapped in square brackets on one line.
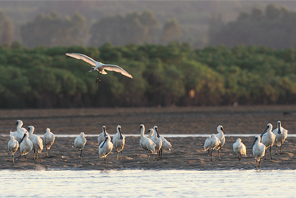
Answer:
[(82, 57), (116, 68)]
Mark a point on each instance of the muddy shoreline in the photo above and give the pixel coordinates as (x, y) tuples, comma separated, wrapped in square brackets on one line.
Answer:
[(187, 152)]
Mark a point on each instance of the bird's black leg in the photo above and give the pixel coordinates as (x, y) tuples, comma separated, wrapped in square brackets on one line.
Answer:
[(97, 80), (211, 154), (219, 154), (80, 155), (281, 147)]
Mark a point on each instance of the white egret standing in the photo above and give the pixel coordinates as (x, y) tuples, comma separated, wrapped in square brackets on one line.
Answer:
[(151, 133), (211, 143), (281, 135), (221, 137), (20, 131), (13, 146), (79, 143), (36, 140), (268, 138), (145, 142), (258, 150), (49, 138), (157, 140), (105, 148), (102, 135), (98, 66), (165, 142), (26, 145), (239, 148), (118, 141)]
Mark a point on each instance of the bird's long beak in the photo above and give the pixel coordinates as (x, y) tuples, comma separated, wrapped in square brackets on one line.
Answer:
[(253, 143), (121, 137), (13, 127), (263, 132), (23, 138), (138, 130), (92, 69), (223, 130), (104, 142)]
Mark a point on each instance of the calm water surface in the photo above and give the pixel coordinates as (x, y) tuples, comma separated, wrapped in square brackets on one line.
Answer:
[(148, 183)]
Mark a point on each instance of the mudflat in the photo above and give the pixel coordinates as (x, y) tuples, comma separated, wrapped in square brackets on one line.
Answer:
[(187, 152)]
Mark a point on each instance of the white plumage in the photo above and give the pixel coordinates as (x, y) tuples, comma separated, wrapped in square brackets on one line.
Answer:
[(145, 142), (102, 135), (239, 148), (13, 146), (210, 144), (281, 135), (98, 66), (165, 142), (26, 145), (36, 140), (158, 142), (49, 139), (118, 141), (20, 131), (79, 143), (221, 138), (105, 148), (258, 150), (268, 138)]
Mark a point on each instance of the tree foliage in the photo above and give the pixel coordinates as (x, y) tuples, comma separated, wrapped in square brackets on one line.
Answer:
[(121, 30), (52, 30), (276, 28), (165, 75), (6, 29)]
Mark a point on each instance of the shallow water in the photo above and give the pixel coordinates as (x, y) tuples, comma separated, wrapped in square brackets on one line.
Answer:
[(148, 183)]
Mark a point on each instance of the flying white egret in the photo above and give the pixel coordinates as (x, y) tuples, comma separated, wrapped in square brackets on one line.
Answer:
[(79, 143), (49, 138), (105, 148), (145, 142), (118, 141), (157, 140), (281, 135), (211, 143), (221, 137), (13, 146), (36, 140), (102, 135), (268, 138), (98, 66), (165, 142), (239, 148), (26, 145), (258, 150)]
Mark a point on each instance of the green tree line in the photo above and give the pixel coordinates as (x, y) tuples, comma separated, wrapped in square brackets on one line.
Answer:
[(166, 75)]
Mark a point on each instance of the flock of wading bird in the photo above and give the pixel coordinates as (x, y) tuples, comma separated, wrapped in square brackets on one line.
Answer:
[(26, 140), (261, 143)]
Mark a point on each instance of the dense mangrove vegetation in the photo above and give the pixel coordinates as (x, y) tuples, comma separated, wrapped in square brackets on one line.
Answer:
[(166, 75)]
